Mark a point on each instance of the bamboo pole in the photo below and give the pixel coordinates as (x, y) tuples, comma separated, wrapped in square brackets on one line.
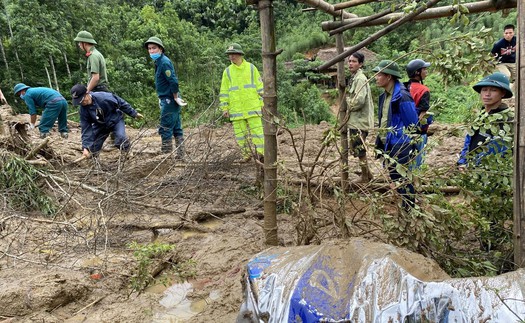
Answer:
[(352, 3), (377, 35), (341, 85), (269, 114), (440, 12), (328, 8), (361, 22), (519, 145)]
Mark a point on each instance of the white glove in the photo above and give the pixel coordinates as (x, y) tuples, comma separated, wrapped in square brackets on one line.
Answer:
[(181, 102)]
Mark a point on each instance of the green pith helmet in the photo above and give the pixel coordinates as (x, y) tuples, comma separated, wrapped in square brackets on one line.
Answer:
[(85, 37), (388, 67), (19, 87), (498, 80), (154, 40), (234, 48)]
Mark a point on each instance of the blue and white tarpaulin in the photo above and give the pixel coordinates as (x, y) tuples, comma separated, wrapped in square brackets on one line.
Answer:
[(361, 281)]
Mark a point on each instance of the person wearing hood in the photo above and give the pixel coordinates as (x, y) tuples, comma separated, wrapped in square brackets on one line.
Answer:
[(241, 102), (54, 107), (167, 86), (398, 120)]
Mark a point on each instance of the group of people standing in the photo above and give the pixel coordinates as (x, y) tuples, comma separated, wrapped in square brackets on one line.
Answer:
[(101, 111), (403, 117)]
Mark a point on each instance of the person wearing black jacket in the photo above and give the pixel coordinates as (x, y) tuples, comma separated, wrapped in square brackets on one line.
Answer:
[(101, 113), (504, 51)]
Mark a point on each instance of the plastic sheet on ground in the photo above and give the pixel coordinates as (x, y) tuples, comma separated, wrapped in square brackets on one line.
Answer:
[(361, 281)]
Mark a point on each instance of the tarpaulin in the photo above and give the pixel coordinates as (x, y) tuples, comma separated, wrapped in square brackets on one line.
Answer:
[(362, 281)]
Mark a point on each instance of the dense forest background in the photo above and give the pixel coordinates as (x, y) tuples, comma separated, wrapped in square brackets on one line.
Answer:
[(37, 48)]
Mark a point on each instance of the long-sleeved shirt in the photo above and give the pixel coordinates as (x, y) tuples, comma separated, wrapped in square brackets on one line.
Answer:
[(105, 111)]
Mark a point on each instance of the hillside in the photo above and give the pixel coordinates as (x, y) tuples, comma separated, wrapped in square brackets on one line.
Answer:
[(78, 265)]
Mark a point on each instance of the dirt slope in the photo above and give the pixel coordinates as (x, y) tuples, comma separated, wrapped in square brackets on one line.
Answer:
[(77, 266)]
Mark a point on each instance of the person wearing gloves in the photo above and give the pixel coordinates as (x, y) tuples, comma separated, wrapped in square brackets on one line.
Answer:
[(101, 113), (54, 107), (480, 141), (241, 101), (167, 86)]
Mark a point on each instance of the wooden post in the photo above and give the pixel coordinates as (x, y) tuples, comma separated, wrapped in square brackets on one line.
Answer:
[(269, 114), (341, 86), (519, 144)]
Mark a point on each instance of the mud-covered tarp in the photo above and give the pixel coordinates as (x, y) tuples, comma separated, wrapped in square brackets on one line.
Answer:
[(361, 281)]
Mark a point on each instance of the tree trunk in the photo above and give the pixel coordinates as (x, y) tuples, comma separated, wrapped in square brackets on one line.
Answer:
[(519, 145), (4, 57), (341, 86), (14, 47), (52, 62), (67, 65), (48, 77), (269, 114)]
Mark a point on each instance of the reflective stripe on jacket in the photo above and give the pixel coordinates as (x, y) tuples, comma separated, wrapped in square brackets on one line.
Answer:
[(241, 91)]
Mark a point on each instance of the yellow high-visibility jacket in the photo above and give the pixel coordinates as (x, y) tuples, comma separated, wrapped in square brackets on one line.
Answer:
[(241, 91)]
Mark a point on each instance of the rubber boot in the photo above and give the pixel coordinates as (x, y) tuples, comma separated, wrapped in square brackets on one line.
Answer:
[(166, 146), (179, 145), (366, 175)]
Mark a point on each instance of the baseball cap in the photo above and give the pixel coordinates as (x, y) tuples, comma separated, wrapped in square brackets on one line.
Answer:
[(78, 92)]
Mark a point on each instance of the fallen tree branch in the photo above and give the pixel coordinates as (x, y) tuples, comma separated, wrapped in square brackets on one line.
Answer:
[(206, 214), (36, 149), (161, 225)]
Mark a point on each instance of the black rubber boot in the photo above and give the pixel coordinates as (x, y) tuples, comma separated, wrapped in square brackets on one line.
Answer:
[(167, 146), (179, 146)]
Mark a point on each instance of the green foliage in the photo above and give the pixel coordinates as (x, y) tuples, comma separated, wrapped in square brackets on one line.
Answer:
[(453, 103), (18, 183), (302, 103), (145, 255)]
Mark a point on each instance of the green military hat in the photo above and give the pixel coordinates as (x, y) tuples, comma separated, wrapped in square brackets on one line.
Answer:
[(498, 80), (85, 37), (19, 87), (388, 67), (234, 48), (154, 40)]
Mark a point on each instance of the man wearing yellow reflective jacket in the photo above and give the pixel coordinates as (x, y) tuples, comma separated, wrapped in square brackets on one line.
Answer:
[(241, 101)]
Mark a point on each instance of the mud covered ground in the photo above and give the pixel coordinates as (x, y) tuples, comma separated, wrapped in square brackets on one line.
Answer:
[(78, 265)]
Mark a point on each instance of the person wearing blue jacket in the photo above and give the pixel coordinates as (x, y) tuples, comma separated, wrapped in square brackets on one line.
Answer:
[(101, 113), (53, 103), (480, 141), (167, 86), (397, 119)]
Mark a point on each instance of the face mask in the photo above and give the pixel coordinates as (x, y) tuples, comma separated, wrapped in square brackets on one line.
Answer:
[(154, 56), (21, 96)]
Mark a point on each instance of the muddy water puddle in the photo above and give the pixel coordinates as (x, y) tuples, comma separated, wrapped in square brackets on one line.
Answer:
[(177, 307)]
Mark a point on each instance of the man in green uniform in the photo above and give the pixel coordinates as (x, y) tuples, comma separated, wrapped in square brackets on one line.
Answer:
[(53, 103), (96, 64), (167, 86)]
